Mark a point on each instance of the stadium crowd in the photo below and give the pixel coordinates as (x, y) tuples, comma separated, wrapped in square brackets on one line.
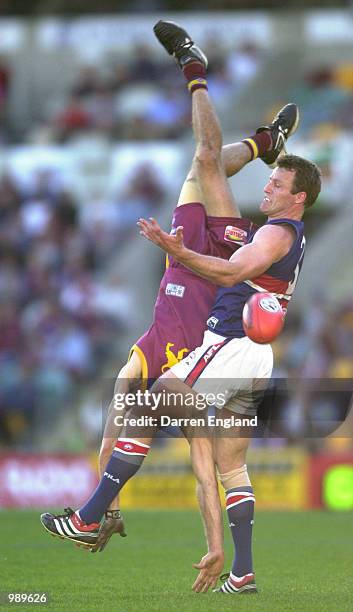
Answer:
[(141, 98), (138, 97), (325, 96), (58, 319), (134, 96)]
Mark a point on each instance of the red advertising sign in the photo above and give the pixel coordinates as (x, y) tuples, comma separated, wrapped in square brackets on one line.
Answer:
[(37, 481)]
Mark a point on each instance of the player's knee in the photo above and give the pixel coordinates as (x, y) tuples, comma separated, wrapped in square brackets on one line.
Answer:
[(206, 158), (238, 477)]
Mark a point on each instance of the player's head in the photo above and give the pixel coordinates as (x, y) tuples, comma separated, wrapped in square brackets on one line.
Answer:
[(294, 185)]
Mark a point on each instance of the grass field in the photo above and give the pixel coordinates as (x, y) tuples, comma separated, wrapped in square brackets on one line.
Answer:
[(304, 562)]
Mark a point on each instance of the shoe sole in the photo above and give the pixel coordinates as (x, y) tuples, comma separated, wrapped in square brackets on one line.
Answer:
[(245, 590), (283, 151), (85, 545), (295, 125), (174, 40), (248, 590)]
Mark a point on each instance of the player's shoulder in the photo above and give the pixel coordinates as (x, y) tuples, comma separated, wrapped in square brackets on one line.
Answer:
[(277, 239), (279, 231)]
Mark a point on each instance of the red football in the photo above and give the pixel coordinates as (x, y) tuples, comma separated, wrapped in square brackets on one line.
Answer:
[(263, 318)]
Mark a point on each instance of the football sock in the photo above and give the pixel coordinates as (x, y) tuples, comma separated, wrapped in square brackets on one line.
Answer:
[(258, 143), (125, 461), (195, 74), (240, 503)]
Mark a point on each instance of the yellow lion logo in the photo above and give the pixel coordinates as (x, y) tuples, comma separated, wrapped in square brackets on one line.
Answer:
[(172, 359)]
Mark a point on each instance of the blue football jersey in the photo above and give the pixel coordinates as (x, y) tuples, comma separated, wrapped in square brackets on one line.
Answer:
[(279, 279)]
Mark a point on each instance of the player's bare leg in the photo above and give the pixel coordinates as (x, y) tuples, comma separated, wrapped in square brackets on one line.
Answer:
[(113, 520), (267, 143), (207, 131), (215, 189), (208, 161), (211, 564), (234, 157)]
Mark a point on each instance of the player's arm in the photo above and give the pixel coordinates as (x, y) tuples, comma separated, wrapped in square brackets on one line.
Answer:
[(270, 244)]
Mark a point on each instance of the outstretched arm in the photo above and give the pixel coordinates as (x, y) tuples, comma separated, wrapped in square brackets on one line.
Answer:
[(270, 244)]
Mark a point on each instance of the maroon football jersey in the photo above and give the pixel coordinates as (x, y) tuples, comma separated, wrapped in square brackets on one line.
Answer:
[(184, 299)]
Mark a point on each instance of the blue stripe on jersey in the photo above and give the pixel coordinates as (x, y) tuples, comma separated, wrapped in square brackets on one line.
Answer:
[(226, 315)]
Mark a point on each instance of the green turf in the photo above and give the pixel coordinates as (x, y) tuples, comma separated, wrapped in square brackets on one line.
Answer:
[(304, 562)]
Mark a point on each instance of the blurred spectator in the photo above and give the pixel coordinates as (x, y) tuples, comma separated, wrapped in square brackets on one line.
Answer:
[(143, 194), (101, 110), (11, 279), (142, 65), (166, 114), (73, 118), (243, 63), (5, 79), (87, 83), (11, 336)]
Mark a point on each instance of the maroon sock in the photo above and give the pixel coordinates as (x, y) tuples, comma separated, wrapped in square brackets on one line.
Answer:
[(195, 74), (258, 143)]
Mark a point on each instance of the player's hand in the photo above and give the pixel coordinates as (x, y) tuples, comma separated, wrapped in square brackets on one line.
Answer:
[(108, 527), (210, 568), (173, 244)]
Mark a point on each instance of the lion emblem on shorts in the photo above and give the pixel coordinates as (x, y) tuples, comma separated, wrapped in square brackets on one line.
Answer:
[(173, 359)]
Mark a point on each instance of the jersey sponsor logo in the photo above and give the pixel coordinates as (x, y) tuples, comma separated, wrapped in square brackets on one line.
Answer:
[(212, 322), (175, 290), (172, 358), (235, 234), (270, 304)]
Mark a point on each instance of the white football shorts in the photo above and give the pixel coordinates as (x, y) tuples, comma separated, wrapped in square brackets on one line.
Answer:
[(234, 370)]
